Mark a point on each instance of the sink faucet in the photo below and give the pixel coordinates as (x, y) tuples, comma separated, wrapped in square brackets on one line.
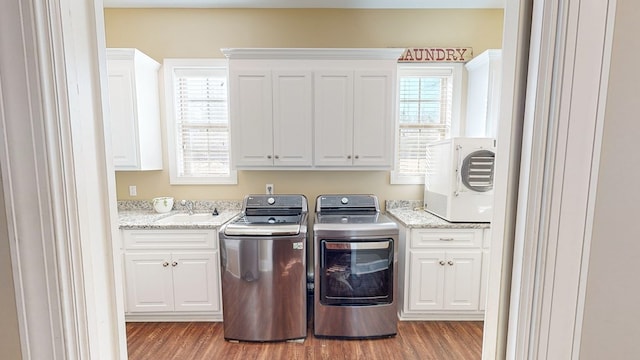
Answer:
[(188, 204)]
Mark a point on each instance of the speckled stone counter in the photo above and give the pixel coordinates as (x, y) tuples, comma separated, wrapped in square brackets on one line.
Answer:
[(139, 214), (411, 214)]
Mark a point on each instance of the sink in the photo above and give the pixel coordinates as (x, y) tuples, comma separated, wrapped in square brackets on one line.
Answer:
[(187, 219)]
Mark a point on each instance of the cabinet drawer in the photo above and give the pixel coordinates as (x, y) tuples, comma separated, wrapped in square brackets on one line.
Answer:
[(170, 239), (424, 238)]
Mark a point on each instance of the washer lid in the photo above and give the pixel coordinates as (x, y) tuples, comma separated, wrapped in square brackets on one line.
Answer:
[(264, 225)]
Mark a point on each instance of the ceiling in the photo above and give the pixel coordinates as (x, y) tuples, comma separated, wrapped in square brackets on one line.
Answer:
[(354, 4)]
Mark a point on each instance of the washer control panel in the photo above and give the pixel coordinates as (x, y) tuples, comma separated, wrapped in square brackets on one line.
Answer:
[(279, 201), (326, 202)]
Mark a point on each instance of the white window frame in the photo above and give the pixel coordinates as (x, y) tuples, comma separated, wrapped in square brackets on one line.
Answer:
[(169, 66), (426, 69)]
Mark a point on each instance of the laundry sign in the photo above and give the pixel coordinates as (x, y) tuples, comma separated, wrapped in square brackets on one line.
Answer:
[(437, 54)]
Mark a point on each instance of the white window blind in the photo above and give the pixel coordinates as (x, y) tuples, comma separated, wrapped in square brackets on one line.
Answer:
[(199, 124), (425, 114)]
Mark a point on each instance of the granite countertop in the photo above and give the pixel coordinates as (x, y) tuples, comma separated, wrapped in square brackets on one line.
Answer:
[(139, 214), (411, 214)]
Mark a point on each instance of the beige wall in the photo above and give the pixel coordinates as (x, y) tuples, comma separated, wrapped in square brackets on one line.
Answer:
[(167, 33), (612, 308)]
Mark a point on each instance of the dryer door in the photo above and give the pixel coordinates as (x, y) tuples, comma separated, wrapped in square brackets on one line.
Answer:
[(477, 170), (356, 272)]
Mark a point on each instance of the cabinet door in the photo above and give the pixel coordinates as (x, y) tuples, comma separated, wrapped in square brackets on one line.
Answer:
[(148, 282), (251, 118), (195, 281), (333, 110), (134, 110), (373, 119), (122, 108), (462, 279), (426, 276), (292, 118)]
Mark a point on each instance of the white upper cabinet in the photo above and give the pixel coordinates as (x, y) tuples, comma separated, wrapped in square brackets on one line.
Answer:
[(483, 94), (354, 118), (333, 117), (292, 118), (373, 118), (134, 110), (312, 108), (271, 117), (251, 117)]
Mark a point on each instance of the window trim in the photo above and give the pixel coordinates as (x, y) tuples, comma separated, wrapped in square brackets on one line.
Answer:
[(410, 69), (169, 66)]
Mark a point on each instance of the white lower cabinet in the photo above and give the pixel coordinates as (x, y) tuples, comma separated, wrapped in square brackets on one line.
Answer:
[(444, 280), (172, 273), (442, 274), (195, 281), (149, 285)]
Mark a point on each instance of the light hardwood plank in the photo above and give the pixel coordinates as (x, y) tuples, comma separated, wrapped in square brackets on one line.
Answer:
[(438, 340)]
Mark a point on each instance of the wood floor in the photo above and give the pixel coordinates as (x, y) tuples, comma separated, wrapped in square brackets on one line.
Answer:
[(438, 340)]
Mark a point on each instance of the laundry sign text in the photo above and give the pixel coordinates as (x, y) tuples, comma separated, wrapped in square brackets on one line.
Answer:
[(437, 54)]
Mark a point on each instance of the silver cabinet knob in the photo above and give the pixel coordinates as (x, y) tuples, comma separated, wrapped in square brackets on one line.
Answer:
[(277, 157), (357, 157), (175, 263), (348, 156), (165, 264), (268, 156), (442, 262), (450, 262)]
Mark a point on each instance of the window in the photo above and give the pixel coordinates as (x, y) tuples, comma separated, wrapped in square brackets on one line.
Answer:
[(198, 121), (428, 111)]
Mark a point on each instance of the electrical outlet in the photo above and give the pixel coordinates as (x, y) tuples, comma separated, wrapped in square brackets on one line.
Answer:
[(133, 191), (269, 189)]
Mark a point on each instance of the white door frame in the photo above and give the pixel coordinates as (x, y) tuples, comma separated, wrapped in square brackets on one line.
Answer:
[(515, 57), (569, 55), (58, 183), (58, 180)]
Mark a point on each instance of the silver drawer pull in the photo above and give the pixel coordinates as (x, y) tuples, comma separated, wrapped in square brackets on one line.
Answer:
[(441, 262), (165, 264), (446, 239), (175, 263)]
